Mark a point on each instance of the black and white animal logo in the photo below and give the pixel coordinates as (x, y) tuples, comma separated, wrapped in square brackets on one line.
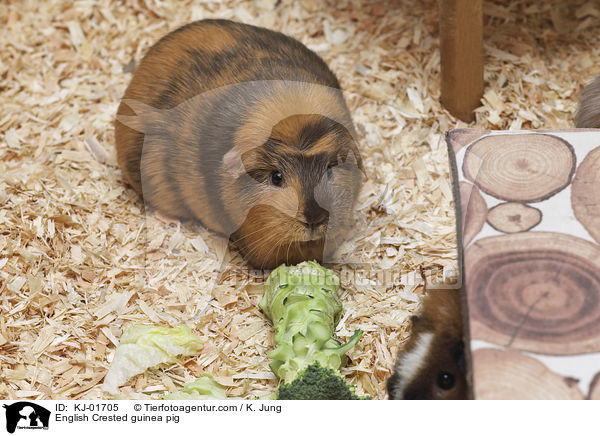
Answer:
[(26, 415)]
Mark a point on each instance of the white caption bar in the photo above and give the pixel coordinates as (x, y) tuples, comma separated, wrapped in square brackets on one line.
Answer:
[(172, 418)]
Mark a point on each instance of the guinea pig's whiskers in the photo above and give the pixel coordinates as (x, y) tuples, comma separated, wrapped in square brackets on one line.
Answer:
[(276, 256), (254, 247), (287, 254), (269, 230), (250, 234), (264, 243), (277, 252)]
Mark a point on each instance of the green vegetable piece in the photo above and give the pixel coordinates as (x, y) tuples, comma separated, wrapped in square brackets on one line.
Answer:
[(302, 302), (318, 383), (144, 346), (203, 388)]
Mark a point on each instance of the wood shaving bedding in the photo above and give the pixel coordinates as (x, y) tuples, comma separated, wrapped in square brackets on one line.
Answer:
[(80, 259)]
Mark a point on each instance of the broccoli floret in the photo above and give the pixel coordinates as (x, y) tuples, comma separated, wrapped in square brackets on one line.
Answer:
[(317, 383)]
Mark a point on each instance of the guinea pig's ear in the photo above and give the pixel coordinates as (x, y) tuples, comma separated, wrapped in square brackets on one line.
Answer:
[(143, 114), (458, 354), (357, 156), (352, 157), (232, 163)]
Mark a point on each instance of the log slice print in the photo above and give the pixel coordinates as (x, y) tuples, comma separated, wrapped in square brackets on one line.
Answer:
[(510, 375), (535, 291), (520, 167), (585, 193), (512, 217), (461, 137), (473, 210), (594, 393)]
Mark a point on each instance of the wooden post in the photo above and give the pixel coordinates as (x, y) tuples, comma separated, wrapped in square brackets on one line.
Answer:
[(461, 55)]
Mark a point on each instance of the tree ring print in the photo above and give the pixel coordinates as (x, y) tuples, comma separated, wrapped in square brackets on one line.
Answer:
[(522, 167), (585, 193), (510, 375), (512, 217), (473, 210), (535, 291)]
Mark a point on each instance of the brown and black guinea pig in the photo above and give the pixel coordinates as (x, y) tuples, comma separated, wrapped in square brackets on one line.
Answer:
[(588, 113), (246, 131), (432, 365)]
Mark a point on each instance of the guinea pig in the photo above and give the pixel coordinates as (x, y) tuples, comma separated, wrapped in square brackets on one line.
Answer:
[(588, 113), (432, 365), (246, 131)]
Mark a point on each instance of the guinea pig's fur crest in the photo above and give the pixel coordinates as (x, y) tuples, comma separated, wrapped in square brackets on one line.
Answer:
[(432, 364), (246, 131)]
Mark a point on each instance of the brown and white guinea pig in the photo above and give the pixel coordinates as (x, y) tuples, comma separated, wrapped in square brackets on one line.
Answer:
[(588, 113), (246, 131), (432, 365)]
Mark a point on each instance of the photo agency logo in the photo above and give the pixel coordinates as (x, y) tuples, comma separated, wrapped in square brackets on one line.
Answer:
[(271, 169), (24, 415)]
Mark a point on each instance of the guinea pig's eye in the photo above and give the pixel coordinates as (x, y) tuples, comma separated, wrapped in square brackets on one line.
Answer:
[(446, 381), (276, 178)]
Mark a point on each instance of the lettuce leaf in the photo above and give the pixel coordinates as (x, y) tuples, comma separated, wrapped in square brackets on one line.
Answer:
[(144, 346), (203, 388)]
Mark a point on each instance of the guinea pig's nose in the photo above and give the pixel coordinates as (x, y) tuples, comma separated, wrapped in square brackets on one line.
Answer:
[(315, 215)]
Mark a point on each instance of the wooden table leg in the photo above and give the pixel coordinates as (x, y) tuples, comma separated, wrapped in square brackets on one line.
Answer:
[(461, 55)]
